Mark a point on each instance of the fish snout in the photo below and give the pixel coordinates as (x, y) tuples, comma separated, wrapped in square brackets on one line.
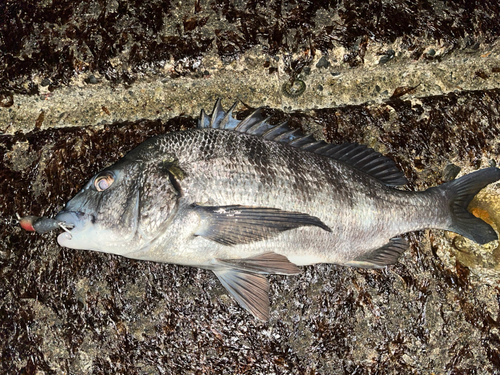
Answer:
[(72, 222), (75, 218)]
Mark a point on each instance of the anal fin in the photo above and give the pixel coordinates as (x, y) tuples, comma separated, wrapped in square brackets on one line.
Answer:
[(381, 257)]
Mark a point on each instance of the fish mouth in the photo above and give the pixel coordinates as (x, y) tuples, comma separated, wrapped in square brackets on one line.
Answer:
[(89, 231), (72, 222)]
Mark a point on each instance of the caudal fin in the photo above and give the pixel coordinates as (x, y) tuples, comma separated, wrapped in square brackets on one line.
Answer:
[(460, 193)]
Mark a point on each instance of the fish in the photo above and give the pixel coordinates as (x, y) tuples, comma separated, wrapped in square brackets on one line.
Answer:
[(245, 198)]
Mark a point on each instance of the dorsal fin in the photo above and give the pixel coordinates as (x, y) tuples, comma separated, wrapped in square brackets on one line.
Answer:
[(218, 119), (357, 156), (367, 160)]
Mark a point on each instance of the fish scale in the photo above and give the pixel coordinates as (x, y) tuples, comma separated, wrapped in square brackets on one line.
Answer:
[(247, 198)]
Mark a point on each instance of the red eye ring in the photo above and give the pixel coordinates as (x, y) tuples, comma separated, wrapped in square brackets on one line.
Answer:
[(104, 181)]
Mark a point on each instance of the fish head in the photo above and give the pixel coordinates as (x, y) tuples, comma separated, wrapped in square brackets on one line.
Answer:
[(122, 209)]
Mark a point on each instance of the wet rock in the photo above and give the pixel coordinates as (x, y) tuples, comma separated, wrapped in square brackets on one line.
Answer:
[(323, 63)]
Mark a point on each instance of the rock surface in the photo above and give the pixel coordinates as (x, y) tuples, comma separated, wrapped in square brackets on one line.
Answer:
[(84, 82)]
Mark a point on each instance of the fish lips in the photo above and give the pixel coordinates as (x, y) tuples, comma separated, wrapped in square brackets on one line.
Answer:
[(78, 222)]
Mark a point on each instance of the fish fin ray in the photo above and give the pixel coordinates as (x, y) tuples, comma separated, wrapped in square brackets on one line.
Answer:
[(217, 115), (302, 140), (383, 256), (203, 121), (288, 136), (460, 192), (248, 122), (250, 290), (267, 263), (276, 131), (229, 122), (260, 128), (232, 225)]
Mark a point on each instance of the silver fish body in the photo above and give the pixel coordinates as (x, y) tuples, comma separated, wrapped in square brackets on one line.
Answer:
[(239, 169), (245, 199)]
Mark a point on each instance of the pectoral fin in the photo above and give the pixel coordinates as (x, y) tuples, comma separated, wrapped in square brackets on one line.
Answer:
[(231, 225), (245, 279), (384, 256)]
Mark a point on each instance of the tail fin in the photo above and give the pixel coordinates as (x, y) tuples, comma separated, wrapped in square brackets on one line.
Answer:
[(460, 193)]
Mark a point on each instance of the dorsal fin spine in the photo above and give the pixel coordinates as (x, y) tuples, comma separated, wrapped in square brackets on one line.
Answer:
[(275, 131), (226, 122), (217, 112), (286, 137), (249, 121), (260, 128), (202, 120)]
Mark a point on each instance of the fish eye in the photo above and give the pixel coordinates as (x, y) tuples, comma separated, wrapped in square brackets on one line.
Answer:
[(104, 180)]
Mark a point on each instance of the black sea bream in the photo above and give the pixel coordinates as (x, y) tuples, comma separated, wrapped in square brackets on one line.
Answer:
[(245, 199)]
